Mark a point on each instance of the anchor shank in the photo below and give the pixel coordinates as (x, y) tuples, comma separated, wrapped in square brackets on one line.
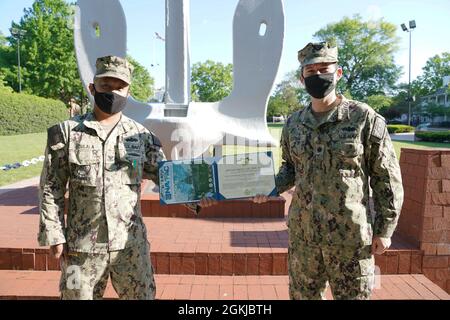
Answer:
[(177, 54)]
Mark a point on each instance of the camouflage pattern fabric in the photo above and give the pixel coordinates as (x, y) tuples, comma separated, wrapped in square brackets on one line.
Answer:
[(314, 53), (104, 233), (84, 276), (104, 176), (331, 163), (349, 273), (114, 67)]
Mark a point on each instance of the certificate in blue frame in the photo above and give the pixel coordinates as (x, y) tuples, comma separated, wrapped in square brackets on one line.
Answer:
[(190, 181)]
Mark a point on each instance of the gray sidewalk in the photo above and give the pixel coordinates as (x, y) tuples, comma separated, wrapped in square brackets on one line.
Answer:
[(403, 136)]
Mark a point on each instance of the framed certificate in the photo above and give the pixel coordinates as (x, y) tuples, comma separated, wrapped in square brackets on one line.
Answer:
[(226, 178)]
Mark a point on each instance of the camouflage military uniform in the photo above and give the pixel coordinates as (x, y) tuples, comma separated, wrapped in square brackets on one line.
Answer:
[(104, 175), (104, 233), (331, 163)]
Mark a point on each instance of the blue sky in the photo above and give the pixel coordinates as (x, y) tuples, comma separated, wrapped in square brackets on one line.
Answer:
[(211, 28)]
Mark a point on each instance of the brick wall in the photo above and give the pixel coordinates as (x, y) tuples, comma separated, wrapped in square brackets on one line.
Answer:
[(425, 217)]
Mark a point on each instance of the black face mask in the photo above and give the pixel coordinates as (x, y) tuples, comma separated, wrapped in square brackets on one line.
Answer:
[(320, 85), (110, 102)]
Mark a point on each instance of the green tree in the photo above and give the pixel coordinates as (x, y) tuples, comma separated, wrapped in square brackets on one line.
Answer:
[(3, 86), (379, 102), (6, 60), (289, 96), (4, 52), (390, 113), (400, 99), (142, 83), (47, 51), (3, 40), (211, 81), (366, 53), (435, 69), (399, 102), (435, 110)]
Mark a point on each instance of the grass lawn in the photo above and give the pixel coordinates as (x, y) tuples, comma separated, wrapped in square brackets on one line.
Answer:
[(17, 149), (417, 145), (25, 147)]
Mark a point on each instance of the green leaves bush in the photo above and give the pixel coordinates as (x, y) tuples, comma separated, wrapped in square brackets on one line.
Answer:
[(23, 113), (437, 136), (399, 128)]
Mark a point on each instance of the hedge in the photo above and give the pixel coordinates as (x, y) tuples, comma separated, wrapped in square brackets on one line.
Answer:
[(275, 125), (399, 128), (23, 113), (436, 136)]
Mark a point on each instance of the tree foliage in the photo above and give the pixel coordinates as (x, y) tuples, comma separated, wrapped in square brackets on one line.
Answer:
[(289, 96), (366, 53), (379, 102), (435, 69), (211, 81), (47, 51), (434, 110), (142, 83), (49, 66), (6, 60)]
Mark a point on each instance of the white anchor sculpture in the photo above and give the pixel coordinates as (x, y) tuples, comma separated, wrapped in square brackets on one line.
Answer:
[(188, 129)]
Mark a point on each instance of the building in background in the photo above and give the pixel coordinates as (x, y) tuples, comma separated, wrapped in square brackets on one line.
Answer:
[(435, 108)]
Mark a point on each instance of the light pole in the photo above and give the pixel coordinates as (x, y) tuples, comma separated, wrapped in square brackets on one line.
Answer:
[(412, 25), (18, 33)]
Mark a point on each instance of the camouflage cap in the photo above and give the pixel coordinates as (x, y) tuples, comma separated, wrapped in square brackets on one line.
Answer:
[(317, 53), (115, 67)]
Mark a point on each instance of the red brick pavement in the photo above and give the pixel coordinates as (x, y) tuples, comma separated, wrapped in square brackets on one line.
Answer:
[(44, 285), (213, 246), (240, 246)]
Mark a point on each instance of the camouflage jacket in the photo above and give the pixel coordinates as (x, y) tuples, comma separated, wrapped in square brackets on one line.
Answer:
[(331, 164), (104, 175)]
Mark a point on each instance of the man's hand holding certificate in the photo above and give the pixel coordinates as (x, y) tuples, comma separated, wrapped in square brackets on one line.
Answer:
[(226, 178)]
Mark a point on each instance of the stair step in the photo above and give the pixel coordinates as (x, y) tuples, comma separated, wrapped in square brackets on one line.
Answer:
[(238, 246), (27, 285), (219, 263), (202, 246), (392, 262)]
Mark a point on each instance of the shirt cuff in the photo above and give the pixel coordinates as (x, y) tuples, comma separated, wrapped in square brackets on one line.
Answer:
[(383, 229), (51, 238)]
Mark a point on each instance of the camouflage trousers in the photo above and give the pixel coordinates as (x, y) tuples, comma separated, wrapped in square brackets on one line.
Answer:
[(349, 272), (84, 276)]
